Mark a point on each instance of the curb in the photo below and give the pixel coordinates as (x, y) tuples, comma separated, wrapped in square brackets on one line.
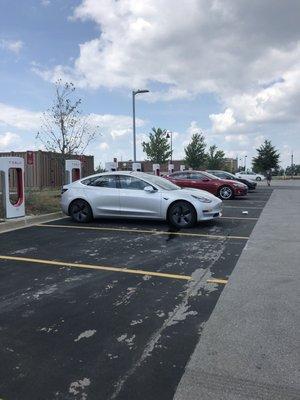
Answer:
[(25, 222)]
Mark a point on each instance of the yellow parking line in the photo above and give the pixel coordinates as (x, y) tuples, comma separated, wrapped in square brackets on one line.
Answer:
[(98, 267), (222, 281), (152, 232)]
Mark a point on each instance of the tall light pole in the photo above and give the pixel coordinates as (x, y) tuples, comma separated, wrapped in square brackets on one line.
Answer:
[(169, 136), (245, 162), (134, 93)]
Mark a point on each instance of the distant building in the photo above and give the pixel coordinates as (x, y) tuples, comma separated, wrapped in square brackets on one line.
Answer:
[(44, 170), (230, 164)]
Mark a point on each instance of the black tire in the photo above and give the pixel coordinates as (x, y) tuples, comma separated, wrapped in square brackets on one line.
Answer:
[(80, 211), (226, 193), (258, 179), (182, 214)]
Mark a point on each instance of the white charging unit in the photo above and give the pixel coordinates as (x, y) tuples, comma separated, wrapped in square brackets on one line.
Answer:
[(8, 165), (171, 168), (73, 170), (136, 166), (156, 169), (111, 166)]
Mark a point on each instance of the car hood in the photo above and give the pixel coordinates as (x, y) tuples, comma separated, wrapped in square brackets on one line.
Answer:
[(194, 192)]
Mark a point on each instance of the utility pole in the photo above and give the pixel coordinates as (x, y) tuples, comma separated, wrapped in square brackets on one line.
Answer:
[(292, 164)]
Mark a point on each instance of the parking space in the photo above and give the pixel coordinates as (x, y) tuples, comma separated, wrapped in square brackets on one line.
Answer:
[(112, 309)]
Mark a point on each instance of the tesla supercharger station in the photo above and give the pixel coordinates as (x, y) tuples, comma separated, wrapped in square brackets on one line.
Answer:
[(136, 166), (73, 170), (171, 168), (156, 169), (111, 166), (182, 167), (7, 164)]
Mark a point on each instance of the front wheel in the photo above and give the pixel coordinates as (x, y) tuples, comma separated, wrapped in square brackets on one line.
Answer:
[(80, 211), (258, 178), (182, 215), (226, 193)]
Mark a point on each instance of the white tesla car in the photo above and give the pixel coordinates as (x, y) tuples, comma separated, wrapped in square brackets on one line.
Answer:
[(250, 175), (137, 195)]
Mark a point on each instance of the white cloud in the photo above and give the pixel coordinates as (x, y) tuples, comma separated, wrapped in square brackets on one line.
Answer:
[(45, 3), (14, 46), (233, 49), (8, 140), (223, 121), (240, 140), (103, 146), (19, 118)]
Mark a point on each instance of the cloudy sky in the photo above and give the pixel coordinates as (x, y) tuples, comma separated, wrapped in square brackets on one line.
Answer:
[(228, 68)]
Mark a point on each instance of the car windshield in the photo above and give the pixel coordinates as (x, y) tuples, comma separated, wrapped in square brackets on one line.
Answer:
[(161, 182)]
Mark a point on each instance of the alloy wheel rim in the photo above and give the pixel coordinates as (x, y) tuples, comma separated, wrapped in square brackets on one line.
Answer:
[(182, 215), (80, 212), (225, 193)]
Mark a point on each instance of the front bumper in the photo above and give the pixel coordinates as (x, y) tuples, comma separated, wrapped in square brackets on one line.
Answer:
[(240, 192), (211, 212)]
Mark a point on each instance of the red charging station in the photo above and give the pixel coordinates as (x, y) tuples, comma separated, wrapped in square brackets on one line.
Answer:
[(12, 178), (156, 169), (73, 170)]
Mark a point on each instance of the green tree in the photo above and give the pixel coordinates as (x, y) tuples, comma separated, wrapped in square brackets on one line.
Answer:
[(215, 159), (195, 156), (267, 158), (157, 148), (293, 170)]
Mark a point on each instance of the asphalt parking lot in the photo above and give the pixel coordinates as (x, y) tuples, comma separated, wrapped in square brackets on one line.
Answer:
[(112, 309)]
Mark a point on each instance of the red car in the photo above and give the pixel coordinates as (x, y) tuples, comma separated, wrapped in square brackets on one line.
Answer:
[(225, 189)]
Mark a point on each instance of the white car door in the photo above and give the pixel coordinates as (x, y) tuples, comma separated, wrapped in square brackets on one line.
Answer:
[(103, 195), (135, 201)]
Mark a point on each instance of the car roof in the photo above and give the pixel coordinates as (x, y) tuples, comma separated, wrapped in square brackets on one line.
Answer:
[(134, 173)]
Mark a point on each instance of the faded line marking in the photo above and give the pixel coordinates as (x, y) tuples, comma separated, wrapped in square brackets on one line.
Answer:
[(98, 267), (151, 232), (250, 218), (213, 280), (248, 208)]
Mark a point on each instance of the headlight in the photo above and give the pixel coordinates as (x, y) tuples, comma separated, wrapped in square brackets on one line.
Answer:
[(238, 185), (202, 199)]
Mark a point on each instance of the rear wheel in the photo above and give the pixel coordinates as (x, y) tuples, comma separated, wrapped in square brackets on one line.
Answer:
[(182, 215), (226, 193), (80, 211), (258, 178)]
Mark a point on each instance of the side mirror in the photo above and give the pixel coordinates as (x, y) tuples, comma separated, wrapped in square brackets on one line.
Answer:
[(149, 189), (205, 180)]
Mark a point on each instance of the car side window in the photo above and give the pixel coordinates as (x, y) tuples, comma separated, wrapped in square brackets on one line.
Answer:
[(196, 176), (132, 183), (107, 181), (180, 175)]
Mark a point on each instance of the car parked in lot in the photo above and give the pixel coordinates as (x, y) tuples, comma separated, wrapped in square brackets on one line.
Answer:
[(223, 188), (227, 175), (137, 195), (250, 175)]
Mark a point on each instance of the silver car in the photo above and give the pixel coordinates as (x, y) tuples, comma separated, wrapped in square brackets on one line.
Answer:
[(137, 195)]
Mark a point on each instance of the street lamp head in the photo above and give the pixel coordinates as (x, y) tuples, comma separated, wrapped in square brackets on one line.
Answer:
[(140, 91)]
